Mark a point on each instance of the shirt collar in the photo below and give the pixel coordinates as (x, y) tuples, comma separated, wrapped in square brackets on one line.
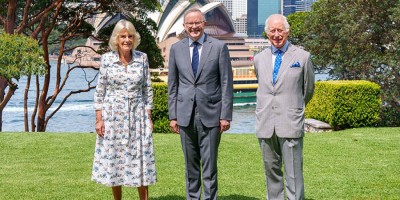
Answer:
[(200, 40), (283, 49), (115, 56)]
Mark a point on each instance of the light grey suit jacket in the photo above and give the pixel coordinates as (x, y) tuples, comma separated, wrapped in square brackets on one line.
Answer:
[(212, 88), (281, 106)]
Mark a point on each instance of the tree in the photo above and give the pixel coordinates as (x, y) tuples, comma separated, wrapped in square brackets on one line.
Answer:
[(297, 31), (19, 56), (38, 19), (359, 40)]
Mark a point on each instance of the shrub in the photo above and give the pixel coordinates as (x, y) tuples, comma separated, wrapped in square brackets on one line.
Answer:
[(346, 104), (160, 108), (390, 116)]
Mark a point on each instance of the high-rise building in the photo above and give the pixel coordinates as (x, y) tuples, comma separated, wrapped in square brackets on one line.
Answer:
[(239, 8), (227, 4), (308, 4), (236, 8), (241, 24), (292, 6), (257, 12)]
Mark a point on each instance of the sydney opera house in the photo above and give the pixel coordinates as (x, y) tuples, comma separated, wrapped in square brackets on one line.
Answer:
[(219, 25)]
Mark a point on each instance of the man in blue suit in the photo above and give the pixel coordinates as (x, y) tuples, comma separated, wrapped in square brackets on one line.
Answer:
[(200, 102)]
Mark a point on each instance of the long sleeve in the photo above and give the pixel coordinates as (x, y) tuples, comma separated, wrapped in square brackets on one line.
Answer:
[(309, 79), (226, 78), (147, 89), (172, 85), (101, 87)]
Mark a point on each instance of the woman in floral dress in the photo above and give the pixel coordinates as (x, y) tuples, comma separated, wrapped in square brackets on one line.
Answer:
[(124, 154)]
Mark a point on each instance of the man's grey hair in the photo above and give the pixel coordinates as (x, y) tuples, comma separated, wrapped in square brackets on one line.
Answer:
[(282, 17), (194, 10)]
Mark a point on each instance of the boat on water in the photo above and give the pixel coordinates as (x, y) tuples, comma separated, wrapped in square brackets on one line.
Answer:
[(245, 85)]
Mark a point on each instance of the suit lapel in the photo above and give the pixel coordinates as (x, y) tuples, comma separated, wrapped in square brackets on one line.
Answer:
[(186, 57), (268, 65), (287, 59), (205, 52)]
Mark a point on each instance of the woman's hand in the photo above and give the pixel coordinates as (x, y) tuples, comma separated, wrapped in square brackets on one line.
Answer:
[(151, 124), (151, 121), (100, 128)]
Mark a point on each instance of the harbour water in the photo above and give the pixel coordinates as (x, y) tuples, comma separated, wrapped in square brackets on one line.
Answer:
[(77, 114)]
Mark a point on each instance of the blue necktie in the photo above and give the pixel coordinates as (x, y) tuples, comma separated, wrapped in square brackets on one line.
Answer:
[(277, 65), (195, 58)]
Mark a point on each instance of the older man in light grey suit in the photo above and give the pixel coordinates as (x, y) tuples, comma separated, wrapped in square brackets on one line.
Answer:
[(200, 101), (285, 86)]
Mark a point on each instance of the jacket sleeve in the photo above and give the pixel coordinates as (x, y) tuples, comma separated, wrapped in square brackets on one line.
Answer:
[(173, 78), (309, 80), (226, 77)]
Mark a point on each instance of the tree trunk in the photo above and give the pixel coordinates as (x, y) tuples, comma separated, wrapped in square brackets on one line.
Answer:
[(8, 28), (3, 85), (43, 104), (28, 83), (10, 21), (5, 98)]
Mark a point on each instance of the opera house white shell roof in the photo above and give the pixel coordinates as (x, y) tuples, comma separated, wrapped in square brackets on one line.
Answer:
[(170, 21)]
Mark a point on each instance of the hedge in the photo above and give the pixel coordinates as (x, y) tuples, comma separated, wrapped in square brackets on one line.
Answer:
[(345, 104), (160, 108)]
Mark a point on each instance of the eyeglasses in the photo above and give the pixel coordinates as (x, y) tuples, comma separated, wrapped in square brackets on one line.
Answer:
[(193, 23)]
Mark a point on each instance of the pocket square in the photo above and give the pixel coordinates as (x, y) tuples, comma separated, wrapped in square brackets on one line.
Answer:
[(296, 64)]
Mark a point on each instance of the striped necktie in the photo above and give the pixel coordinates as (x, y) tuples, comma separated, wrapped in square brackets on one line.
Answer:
[(277, 65)]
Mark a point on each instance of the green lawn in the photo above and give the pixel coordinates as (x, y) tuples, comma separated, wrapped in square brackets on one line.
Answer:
[(352, 164)]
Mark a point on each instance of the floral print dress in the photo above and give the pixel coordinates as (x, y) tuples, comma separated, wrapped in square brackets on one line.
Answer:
[(125, 156)]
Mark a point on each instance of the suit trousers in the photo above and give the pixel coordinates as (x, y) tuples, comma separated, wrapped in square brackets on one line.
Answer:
[(276, 150), (200, 146)]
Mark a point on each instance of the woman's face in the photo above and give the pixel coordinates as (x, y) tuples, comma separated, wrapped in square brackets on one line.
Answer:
[(125, 41)]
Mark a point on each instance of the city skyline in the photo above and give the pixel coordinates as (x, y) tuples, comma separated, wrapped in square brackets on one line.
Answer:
[(257, 13), (248, 16)]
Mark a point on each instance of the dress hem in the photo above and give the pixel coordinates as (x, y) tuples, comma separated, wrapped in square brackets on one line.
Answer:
[(126, 185)]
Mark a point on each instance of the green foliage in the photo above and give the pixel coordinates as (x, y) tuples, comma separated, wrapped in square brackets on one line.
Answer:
[(264, 35), (346, 104), (148, 41), (19, 56), (355, 40), (297, 30), (160, 108)]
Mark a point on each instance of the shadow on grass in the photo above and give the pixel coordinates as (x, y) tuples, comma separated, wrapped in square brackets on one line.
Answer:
[(230, 197), (169, 197), (236, 197)]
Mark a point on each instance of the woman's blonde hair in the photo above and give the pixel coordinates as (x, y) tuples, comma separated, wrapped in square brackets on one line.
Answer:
[(121, 25)]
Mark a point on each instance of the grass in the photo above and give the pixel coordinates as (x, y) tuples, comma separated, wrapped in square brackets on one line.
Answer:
[(352, 164)]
